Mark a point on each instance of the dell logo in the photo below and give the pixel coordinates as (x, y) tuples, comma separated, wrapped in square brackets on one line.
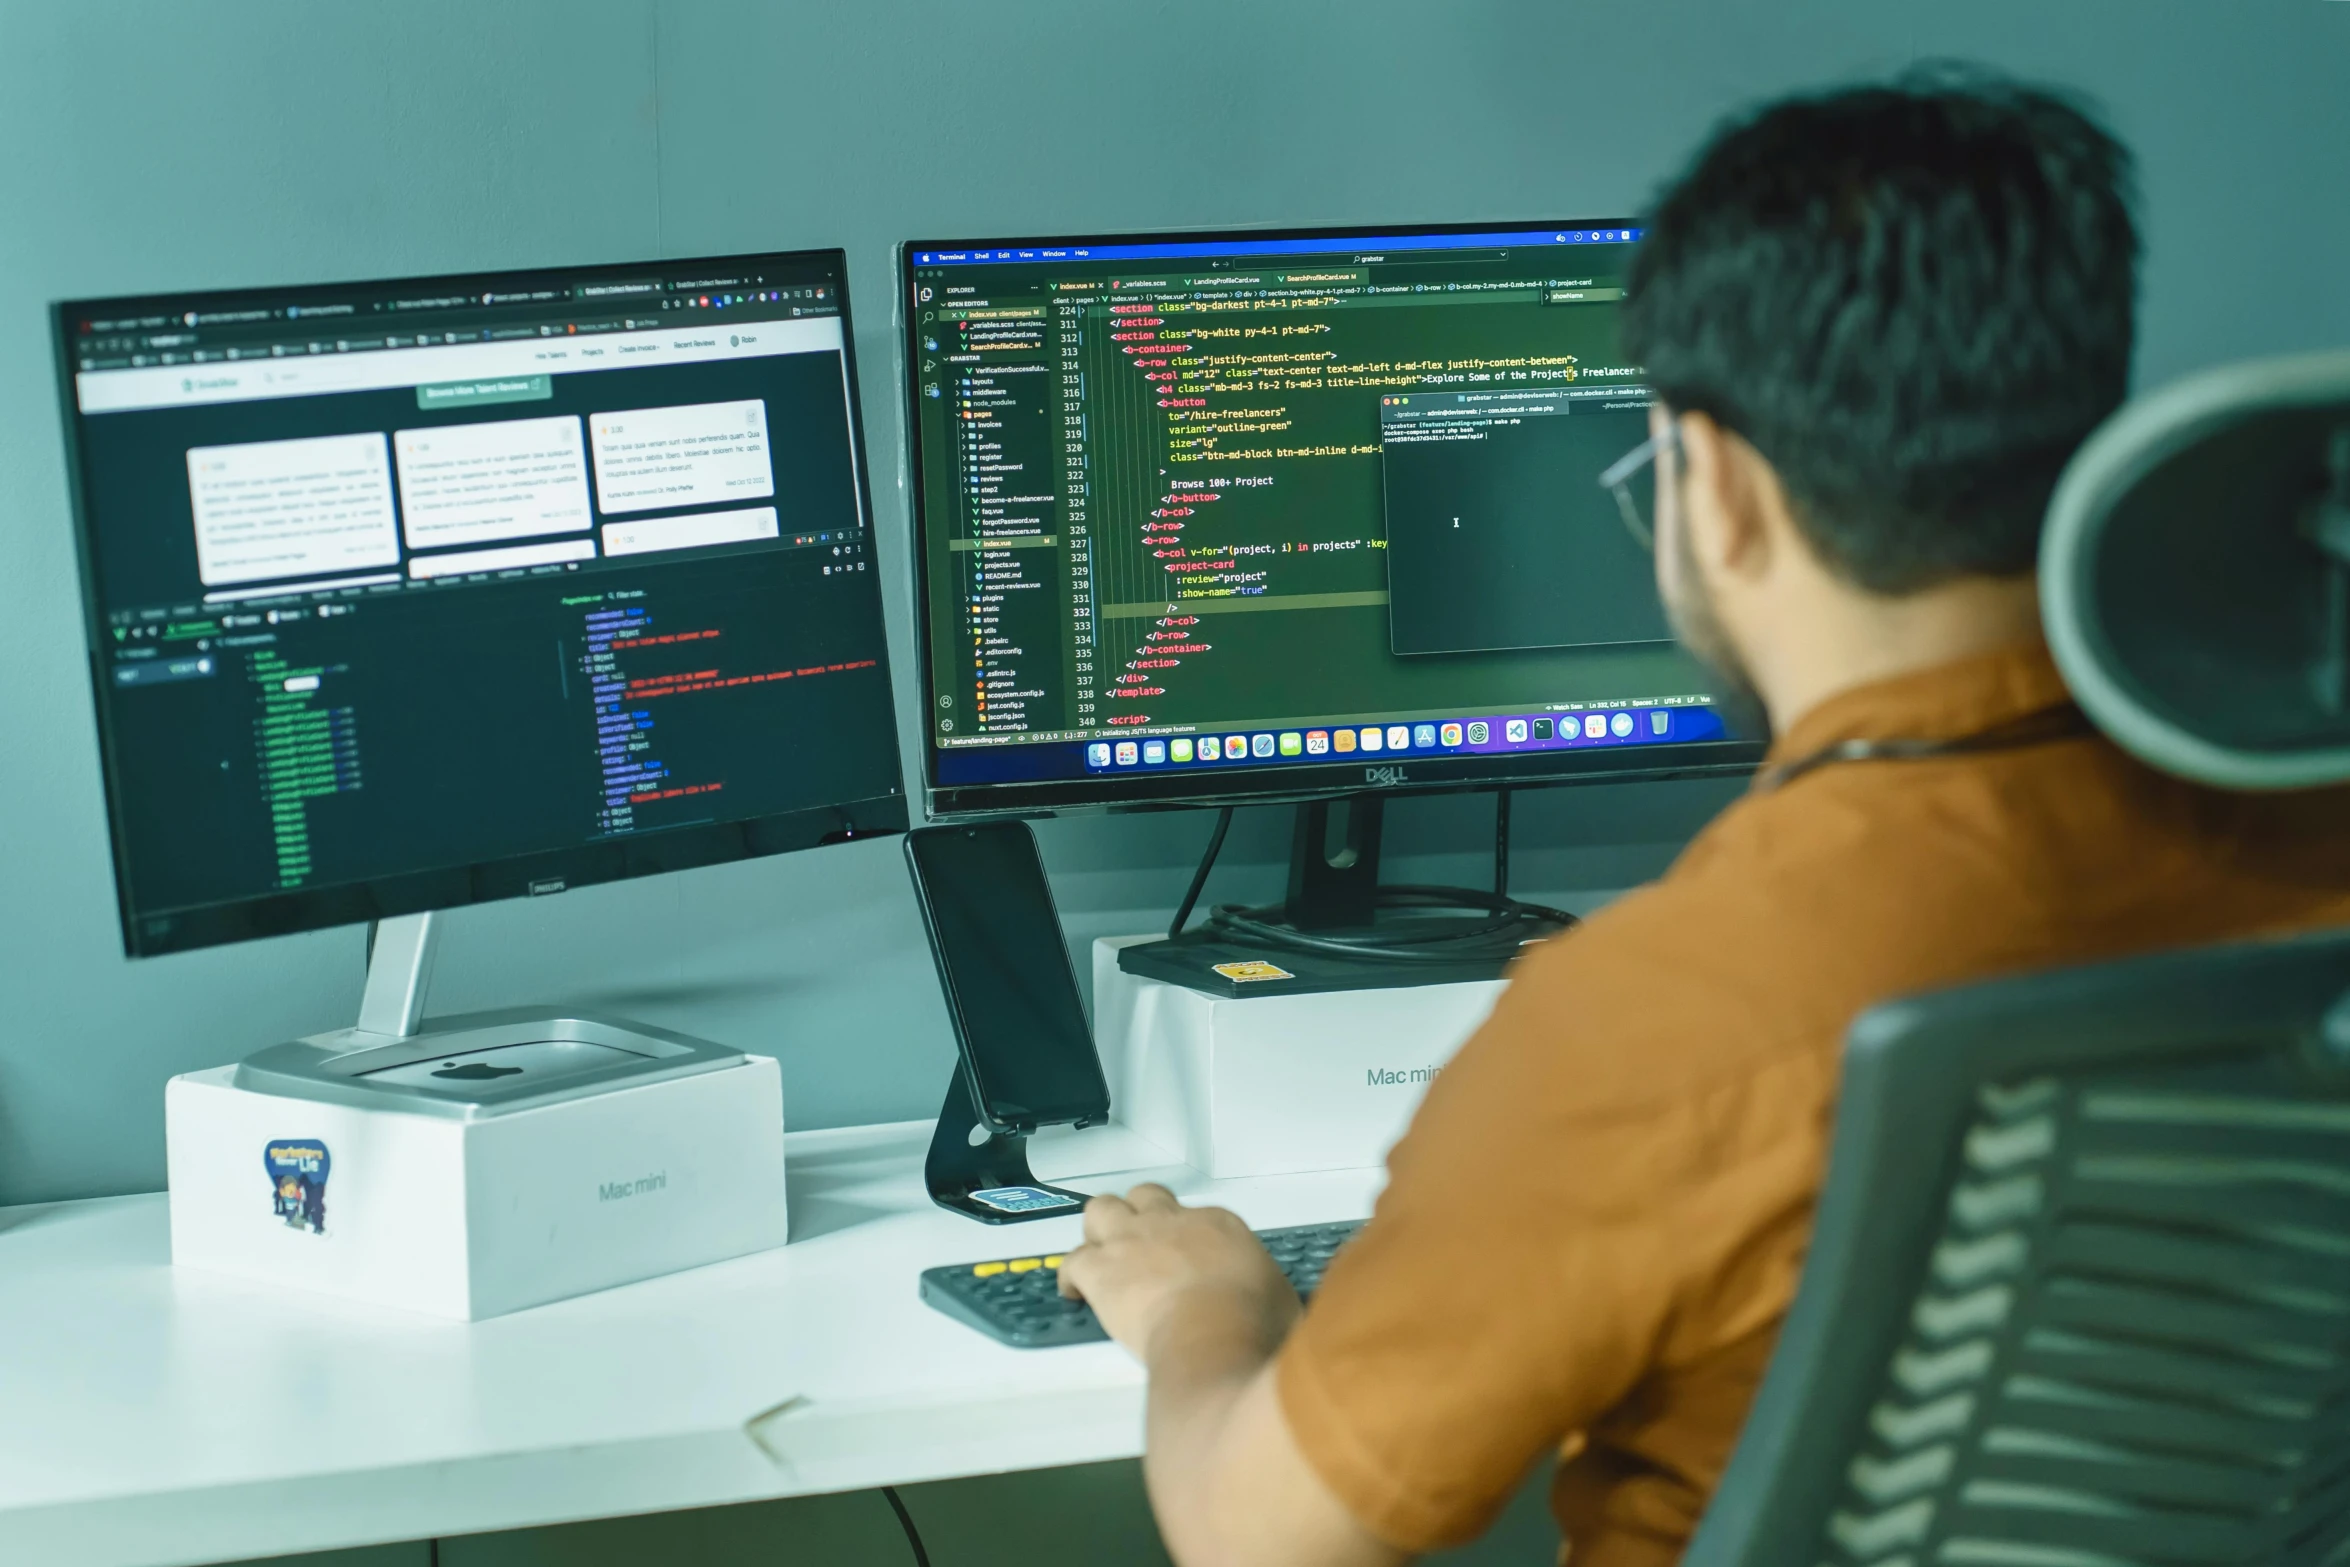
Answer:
[(1384, 777)]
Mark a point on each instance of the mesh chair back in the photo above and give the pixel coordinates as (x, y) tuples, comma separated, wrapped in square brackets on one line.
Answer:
[(2080, 1291)]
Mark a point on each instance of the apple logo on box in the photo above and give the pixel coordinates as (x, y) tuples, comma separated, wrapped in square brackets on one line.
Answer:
[(476, 1072)]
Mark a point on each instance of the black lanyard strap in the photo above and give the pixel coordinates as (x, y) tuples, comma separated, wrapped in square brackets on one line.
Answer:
[(2063, 721)]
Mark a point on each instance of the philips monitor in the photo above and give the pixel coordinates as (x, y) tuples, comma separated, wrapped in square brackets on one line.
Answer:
[(406, 595), (1207, 518)]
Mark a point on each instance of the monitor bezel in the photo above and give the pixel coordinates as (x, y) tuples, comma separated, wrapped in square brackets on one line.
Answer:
[(1245, 786), (153, 933)]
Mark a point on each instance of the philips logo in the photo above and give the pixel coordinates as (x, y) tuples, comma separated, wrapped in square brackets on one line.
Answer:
[(616, 1191), (1388, 1077), (1385, 777)]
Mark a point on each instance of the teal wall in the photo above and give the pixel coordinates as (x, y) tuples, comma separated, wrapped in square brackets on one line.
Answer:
[(175, 144)]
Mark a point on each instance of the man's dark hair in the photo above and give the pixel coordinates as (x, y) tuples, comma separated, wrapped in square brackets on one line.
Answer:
[(1914, 300)]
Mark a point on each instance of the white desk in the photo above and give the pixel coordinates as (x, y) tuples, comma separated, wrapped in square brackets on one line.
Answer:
[(152, 1416)]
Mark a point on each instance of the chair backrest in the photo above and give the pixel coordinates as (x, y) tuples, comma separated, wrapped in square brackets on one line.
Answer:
[(2195, 574), (2079, 1291)]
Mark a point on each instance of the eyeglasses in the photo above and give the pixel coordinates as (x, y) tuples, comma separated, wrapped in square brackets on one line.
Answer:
[(1632, 478)]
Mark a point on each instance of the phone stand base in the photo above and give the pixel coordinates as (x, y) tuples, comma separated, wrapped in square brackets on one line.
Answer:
[(982, 1173)]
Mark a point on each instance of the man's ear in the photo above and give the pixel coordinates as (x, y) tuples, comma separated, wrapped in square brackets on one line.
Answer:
[(1722, 499)]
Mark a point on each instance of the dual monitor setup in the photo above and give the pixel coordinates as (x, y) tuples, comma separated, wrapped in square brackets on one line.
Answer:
[(408, 595)]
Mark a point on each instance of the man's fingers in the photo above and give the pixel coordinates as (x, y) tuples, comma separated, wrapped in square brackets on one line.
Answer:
[(1151, 1197), (1105, 1216), (1077, 1261)]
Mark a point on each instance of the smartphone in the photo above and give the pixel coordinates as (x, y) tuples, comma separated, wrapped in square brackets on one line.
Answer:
[(1010, 992)]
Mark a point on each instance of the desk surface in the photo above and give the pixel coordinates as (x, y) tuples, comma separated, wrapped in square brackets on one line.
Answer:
[(150, 1415)]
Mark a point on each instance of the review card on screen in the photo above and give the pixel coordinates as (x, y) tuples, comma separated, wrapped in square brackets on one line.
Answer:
[(647, 458), (698, 531), (507, 479), (301, 508)]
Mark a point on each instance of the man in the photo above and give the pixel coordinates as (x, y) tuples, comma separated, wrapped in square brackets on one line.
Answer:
[(1878, 323)]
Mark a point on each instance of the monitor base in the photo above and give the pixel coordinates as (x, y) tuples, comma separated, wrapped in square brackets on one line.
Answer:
[(1339, 928), (465, 1068), (1215, 964)]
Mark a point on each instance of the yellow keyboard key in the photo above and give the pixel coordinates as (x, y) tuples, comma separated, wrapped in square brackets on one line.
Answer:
[(988, 1270), (1026, 1265), (1053, 1261)]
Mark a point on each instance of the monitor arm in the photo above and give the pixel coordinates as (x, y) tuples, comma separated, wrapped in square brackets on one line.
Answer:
[(399, 970)]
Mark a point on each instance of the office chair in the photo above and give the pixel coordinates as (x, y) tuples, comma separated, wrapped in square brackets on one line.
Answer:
[(2079, 1288)]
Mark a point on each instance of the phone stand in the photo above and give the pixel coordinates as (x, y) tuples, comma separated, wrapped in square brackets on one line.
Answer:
[(982, 1173)]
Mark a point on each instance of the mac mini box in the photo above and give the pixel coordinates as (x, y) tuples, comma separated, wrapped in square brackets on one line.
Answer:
[(491, 1164)]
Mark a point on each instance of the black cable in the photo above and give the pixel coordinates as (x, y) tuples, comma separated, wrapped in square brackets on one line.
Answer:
[(1501, 843), (906, 1521), (1199, 878), (1510, 924)]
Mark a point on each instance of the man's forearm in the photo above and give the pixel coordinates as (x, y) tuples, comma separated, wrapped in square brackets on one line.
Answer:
[(1198, 1301), (1226, 1478), (1201, 1364)]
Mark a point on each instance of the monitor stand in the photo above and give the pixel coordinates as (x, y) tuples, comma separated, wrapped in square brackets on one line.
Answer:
[(967, 1157), (400, 954), (360, 1065), (1333, 890)]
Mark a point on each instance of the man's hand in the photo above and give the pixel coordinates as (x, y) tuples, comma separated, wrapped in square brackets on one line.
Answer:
[(1201, 1304), (1148, 1263)]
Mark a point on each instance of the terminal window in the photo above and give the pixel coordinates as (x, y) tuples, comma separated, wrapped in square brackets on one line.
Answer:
[(1183, 499), (1497, 539)]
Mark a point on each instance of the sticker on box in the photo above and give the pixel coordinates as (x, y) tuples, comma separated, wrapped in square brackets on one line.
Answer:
[(298, 1169), (1021, 1199), (1251, 972)]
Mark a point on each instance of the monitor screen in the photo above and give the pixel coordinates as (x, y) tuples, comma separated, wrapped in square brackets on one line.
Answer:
[(1210, 517), (405, 595)]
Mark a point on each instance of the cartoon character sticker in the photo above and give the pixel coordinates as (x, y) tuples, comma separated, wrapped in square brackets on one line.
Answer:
[(297, 1169)]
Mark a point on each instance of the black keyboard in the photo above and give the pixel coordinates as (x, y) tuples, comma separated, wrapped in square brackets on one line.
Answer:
[(1018, 1299)]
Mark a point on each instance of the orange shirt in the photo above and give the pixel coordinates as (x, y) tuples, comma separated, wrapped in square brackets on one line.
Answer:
[(1594, 1226)]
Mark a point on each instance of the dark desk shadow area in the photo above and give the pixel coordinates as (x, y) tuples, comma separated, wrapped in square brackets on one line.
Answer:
[(1090, 1515)]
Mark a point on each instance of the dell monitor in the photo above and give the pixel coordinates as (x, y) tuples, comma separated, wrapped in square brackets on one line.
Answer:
[(1211, 518), (1285, 515), (405, 595)]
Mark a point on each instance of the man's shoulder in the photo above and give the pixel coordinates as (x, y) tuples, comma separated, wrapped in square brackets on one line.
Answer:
[(1738, 915), (1752, 954)]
